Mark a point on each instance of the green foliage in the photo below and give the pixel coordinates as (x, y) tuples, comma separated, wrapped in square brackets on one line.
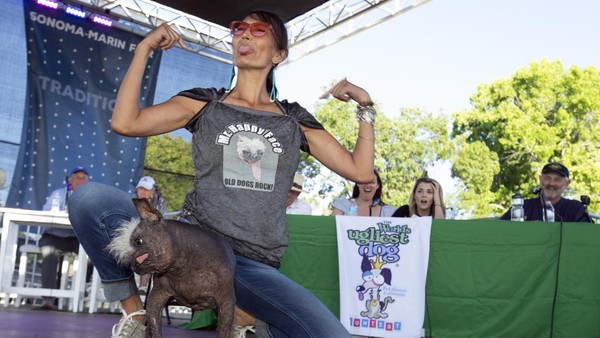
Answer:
[(517, 125), (405, 147), (169, 161), (476, 166)]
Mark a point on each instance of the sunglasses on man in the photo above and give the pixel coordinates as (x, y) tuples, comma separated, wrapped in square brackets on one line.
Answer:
[(257, 29)]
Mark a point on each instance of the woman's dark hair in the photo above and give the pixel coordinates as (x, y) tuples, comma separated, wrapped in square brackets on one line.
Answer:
[(377, 196), (280, 35)]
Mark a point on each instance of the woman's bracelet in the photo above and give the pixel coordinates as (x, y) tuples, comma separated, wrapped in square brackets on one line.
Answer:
[(366, 113)]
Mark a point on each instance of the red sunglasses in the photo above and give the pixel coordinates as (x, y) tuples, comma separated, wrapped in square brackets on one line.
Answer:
[(256, 28)]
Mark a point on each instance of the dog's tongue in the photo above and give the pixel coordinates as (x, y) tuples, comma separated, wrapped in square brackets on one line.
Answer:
[(255, 167), (245, 49), (142, 258)]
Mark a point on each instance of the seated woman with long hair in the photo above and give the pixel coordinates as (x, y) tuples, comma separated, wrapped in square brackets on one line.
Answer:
[(426, 199), (366, 201)]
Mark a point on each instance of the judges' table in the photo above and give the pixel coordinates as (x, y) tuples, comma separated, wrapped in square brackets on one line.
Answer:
[(485, 278), (11, 221)]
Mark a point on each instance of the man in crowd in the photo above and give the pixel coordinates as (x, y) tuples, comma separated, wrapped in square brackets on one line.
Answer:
[(295, 206), (54, 241), (554, 180)]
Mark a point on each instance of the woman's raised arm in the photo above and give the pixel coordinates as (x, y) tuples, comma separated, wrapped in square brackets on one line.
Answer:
[(128, 117), (356, 166)]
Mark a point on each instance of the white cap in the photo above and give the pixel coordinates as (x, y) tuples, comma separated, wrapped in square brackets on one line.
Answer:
[(146, 182), (298, 183)]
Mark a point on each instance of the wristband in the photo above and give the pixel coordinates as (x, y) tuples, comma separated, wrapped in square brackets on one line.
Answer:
[(365, 113)]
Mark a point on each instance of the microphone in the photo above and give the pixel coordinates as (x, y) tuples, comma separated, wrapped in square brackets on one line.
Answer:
[(585, 200), (536, 190)]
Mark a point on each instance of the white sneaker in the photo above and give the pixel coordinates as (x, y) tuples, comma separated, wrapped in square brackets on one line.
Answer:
[(238, 331), (129, 327)]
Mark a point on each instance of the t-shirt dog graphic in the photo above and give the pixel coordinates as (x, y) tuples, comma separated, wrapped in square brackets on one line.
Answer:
[(251, 151)]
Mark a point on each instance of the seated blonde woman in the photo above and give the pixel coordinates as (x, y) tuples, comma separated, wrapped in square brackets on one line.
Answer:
[(426, 199)]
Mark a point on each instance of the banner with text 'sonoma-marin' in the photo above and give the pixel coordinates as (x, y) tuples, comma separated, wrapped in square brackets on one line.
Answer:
[(383, 268), (75, 68)]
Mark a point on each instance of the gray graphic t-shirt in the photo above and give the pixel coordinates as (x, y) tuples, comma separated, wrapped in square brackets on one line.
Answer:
[(245, 162)]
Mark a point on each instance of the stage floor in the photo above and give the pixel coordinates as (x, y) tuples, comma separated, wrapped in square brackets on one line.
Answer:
[(25, 322)]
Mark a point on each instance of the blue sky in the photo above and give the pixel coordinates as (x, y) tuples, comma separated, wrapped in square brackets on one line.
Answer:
[(435, 56)]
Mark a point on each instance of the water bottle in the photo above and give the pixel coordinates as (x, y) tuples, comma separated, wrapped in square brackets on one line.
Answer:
[(55, 203), (450, 213), (516, 209), (549, 214), (352, 208)]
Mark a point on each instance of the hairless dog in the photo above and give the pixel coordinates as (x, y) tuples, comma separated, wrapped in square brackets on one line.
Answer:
[(188, 262)]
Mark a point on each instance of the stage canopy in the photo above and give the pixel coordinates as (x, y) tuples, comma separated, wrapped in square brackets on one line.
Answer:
[(223, 11)]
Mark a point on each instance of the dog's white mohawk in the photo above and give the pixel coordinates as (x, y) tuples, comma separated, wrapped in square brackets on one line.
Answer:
[(120, 246)]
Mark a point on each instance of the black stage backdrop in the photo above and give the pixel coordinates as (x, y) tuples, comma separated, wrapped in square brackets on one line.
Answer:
[(74, 71)]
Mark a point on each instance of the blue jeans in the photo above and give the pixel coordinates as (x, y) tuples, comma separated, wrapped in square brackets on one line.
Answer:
[(96, 211), (282, 307), (289, 309)]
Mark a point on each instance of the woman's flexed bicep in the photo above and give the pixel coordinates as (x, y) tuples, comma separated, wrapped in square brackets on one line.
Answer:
[(356, 166), (128, 117), (162, 118), (158, 119)]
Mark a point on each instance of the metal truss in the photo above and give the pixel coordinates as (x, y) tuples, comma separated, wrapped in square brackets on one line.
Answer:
[(203, 37), (325, 25)]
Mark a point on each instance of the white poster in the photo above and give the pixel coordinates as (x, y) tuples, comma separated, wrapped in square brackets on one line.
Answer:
[(383, 269)]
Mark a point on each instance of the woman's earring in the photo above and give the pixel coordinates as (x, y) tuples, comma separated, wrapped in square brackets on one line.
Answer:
[(274, 92), (231, 79)]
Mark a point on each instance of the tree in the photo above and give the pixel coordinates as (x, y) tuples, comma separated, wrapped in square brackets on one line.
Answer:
[(541, 114), (476, 166), (169, 161), (405, 147)]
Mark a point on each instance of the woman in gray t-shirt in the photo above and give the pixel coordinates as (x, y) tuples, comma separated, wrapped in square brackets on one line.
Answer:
[(246, 149)]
